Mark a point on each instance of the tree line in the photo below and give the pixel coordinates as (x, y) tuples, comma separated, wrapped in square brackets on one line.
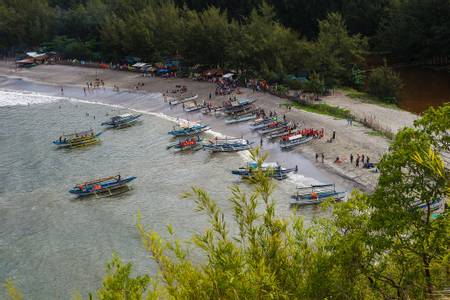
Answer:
[(268, 39), (409, 29)]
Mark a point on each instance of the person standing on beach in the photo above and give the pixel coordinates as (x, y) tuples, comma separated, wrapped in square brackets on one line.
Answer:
[(323, 156), (261, 142), (351, 158), (362, 159), (367, 160), (357, 161), (62, 90), (317, 157), (334, 134)]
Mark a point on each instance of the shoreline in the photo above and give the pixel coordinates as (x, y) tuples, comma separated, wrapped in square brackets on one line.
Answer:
[(354, 139)]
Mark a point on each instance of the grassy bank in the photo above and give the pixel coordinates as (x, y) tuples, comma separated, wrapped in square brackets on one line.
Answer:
[(341, 113), (365, 97), (323, 109)]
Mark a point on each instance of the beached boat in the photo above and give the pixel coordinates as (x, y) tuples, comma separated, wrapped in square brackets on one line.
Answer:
[(188, 130), (78, 139), (272, 127), (238, 119), (190, 144), (110, 186), (193, 106), (238, 106), (294, 141), (227, 145), (262, 123), (183, 99), (273, 170), (212, 109), (122, 121), (285, 130), (316, 194)]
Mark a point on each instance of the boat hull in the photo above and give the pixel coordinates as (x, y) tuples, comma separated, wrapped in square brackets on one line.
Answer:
[(105, 187)]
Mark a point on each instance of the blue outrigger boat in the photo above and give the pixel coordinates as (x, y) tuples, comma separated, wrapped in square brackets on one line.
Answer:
[(195, 129), (106, 185), (273, 170), (316, 194), (122, 121), (78, 139)]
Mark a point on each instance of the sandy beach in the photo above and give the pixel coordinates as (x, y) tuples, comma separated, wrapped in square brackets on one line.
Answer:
[(350, 139)]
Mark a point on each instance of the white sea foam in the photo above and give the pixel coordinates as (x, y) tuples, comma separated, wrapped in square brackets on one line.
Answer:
[(15, 98)]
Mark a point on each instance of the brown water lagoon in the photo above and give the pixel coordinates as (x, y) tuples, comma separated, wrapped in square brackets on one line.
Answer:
[(423, 88)]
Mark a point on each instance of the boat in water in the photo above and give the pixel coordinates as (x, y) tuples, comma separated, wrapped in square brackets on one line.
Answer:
[(272, 169), (195, 129), (316, 194), (190, 144), (108, 186), (227, 145), (122, 121), (78, 139), (238, 119)]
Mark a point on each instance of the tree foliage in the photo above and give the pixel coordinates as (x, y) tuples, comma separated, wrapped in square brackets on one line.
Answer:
[(384, 83)]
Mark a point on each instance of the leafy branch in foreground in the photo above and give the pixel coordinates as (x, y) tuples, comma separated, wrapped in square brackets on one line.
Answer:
[(392, 244), (386, 245)]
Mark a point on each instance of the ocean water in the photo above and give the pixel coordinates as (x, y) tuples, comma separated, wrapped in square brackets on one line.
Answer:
[(52, 244)]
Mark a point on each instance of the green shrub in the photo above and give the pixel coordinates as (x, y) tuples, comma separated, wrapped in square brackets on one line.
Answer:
[(384, 83)]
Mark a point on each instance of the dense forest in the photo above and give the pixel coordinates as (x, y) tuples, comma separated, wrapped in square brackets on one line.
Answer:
[(271, 38)]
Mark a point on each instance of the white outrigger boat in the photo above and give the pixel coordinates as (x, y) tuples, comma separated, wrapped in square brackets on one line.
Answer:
[(183, 99)]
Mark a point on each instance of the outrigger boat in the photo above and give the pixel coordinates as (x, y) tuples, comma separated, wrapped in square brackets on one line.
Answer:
[(190, 144), (262, 123), (294, 140), (193, 106), (189, 130), (227, 145), (243, 118), (182, 100), (78, 139), (286, 130), (122, 121), (273, 170), (112, 185), (316, 194), (272, 127)]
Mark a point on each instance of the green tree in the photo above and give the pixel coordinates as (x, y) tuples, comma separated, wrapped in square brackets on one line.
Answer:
[(335, 53), (25, 22), (384, 83), (316, 85)]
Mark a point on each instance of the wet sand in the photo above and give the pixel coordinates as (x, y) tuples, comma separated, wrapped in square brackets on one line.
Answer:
[(354, 139)]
